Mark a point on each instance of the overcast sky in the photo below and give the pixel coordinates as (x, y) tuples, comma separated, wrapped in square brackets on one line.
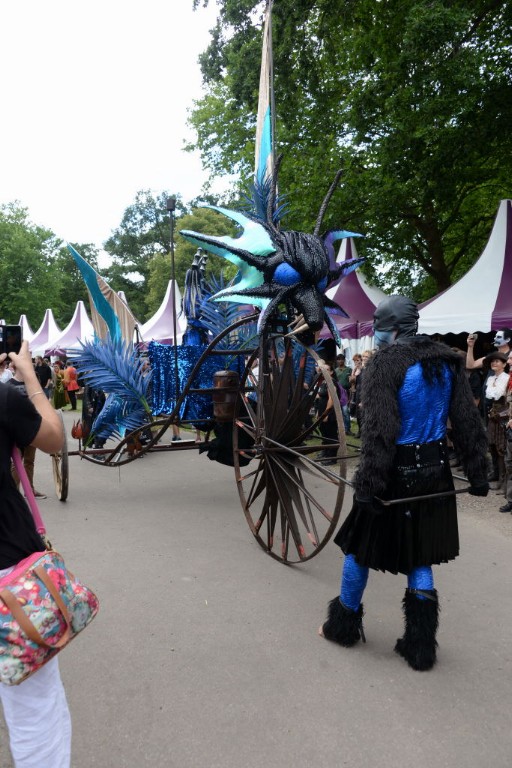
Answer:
[(94, 104)]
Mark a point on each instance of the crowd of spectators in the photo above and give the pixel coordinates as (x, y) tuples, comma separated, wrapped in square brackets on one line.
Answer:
[(490, 380)]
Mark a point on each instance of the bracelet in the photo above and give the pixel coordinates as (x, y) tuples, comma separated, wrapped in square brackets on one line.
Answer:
[(39, 392)]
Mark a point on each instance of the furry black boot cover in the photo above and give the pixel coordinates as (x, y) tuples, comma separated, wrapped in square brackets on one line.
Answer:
[(343, 626), (418, 645)]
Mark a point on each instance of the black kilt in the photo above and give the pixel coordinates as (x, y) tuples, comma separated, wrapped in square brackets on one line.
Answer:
[(405, 536)]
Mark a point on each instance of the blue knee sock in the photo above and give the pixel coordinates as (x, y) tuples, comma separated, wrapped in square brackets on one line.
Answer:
[(353, 582), (421, 578)]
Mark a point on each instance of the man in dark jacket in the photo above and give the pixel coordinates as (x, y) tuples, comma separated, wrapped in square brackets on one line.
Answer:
[(411, 388)]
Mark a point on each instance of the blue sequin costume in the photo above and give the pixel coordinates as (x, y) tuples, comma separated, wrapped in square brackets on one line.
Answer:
[(423, 409), (410, 390)]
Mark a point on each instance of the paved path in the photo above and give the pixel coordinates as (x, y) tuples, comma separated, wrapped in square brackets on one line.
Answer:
[(205, 651)]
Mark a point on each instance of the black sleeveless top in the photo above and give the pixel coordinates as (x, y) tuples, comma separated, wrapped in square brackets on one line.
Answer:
[(19, 424)]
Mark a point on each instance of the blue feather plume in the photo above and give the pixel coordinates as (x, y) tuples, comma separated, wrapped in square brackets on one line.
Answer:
[(117, 417), (116, 369)]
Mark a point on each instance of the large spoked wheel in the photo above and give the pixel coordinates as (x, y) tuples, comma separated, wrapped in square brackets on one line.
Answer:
[(291, 494), (60, 465)]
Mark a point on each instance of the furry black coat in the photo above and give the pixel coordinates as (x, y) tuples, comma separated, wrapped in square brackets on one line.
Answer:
[(380, 428)]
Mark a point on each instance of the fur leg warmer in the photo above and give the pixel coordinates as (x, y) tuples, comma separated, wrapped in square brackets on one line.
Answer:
[(418, 645), (343, 626)]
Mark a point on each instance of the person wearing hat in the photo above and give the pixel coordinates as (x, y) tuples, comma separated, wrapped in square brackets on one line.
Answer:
[(497, 412), (411, 387), (502, 342)]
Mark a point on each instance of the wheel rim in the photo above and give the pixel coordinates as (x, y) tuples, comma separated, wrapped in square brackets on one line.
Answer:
[(291, 499)]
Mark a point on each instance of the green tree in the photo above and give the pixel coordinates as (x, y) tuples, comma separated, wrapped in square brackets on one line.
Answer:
[(27, 257), (71, 285), (201, 220), (412, 99), (144, 233)]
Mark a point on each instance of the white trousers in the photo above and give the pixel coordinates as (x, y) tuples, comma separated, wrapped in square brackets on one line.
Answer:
[(38, 719)]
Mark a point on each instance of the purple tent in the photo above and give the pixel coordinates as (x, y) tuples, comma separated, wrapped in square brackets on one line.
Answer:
[(354, 294)]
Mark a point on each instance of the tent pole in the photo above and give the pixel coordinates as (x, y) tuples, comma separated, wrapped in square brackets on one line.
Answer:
[(171, 207)]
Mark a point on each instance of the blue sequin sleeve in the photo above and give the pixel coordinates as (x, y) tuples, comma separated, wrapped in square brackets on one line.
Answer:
[(423, 406)]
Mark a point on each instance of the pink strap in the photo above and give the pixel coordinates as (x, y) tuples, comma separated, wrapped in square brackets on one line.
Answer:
[(29, 493)]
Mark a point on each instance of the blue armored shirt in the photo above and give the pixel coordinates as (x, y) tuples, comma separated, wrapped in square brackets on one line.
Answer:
[(423, 405)]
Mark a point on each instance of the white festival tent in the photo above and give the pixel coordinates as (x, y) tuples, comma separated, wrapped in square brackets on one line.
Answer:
[(79, 329), (482, 299), (160, 327), (26, 331), (45, 335)]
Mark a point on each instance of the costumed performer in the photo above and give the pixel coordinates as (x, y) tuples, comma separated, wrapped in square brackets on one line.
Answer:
[(411, 387)]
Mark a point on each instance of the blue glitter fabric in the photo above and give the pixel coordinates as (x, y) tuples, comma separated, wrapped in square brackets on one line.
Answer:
[(163, 395), (423, 406), (195, 407), (353, 583), (421, 578)]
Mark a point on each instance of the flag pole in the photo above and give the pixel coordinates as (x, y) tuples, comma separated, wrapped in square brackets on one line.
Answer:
[(271, 78), (265, 122), (171, 207)]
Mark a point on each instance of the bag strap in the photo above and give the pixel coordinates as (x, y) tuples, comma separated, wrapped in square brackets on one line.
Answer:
[(29, 493)]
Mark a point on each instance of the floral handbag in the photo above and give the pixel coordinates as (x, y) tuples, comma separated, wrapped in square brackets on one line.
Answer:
[(42, 605)]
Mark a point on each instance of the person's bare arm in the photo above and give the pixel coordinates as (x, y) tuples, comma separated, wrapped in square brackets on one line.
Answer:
[(471, 363), (50, 436)]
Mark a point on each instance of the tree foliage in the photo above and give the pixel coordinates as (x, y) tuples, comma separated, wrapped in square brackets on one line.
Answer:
[(36, 270), (199, 220), (411, 99), (144, 232)]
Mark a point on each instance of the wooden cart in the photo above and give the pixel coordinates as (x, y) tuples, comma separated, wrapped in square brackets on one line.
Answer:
[(291, 496)]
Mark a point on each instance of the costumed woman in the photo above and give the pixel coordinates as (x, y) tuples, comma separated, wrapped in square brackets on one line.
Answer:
[(410, 389), (496, 386), (36, 710), (59, 397)]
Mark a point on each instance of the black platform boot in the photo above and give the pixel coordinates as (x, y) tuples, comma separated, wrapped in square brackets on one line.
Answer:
[(418, 645), (343, 625)]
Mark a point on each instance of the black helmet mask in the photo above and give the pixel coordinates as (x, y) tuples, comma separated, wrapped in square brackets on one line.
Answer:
[(395, 317)]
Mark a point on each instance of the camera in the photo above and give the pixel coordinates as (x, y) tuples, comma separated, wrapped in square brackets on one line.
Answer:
[(10, 338)]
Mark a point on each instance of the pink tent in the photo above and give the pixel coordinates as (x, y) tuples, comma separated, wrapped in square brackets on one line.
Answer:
[(161, 326), (354, 294), (26, 331), (79, 329), (45, 335)]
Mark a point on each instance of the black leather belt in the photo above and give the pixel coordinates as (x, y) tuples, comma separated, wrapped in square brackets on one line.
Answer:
[(422, 454)]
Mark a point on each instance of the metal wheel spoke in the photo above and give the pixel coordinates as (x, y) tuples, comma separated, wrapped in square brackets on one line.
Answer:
[(313, 465), (287, 510), (287, 482), (257, 489), (295, 485), (246, 428)]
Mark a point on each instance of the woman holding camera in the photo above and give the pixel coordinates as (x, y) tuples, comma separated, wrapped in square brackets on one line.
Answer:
[(36, 710)]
